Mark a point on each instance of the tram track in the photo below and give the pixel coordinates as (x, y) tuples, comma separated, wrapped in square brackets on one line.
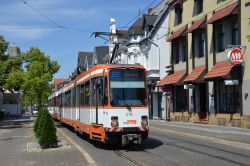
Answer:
[(140, 149), (130, 159), (206, 153)]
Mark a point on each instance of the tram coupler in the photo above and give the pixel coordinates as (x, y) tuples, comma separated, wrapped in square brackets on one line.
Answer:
[(131, 138)]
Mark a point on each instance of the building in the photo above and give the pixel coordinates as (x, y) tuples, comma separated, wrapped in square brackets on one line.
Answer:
[(84, 61), (99, 55), (155, 48), (144, 43), (203, 85)]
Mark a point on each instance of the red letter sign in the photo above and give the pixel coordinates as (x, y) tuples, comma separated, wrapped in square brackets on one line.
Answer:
[(235, 56)]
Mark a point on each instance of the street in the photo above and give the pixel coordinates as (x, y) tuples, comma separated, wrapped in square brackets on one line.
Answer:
[(171, 148), (169, 143)]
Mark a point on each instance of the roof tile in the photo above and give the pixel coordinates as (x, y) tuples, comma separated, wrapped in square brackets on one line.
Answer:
[(175, 78), (223, 13), (196, 75), (220, 70)]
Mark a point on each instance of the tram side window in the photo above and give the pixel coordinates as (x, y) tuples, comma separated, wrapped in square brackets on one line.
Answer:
[(105, 92), (93, 102), (82, 95), (87, 93), (73, 102), (68, 98)]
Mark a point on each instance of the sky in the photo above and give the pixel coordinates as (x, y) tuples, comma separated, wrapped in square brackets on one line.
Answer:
[(23, 25)]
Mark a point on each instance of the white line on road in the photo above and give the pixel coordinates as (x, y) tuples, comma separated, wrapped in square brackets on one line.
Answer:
[(78, 147), (206, 138)]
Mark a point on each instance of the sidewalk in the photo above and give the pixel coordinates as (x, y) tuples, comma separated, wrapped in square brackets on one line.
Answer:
[(222, 132), (19, 146)]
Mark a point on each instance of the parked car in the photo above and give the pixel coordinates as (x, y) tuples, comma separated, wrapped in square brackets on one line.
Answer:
[(34, 111)]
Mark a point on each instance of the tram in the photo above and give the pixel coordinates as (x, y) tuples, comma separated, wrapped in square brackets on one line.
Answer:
[(108, 102)]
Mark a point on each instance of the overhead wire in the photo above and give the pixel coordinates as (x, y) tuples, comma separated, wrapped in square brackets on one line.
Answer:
[(148, 6), (59, 26)]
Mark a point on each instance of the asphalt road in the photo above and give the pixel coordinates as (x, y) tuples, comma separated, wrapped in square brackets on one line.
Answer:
[(170, 144), (171, 147)]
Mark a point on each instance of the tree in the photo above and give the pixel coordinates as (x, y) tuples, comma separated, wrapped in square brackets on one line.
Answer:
[(7, 66), (47, 138), (3, 49), (39, 72), (248, 36), (34, 78)]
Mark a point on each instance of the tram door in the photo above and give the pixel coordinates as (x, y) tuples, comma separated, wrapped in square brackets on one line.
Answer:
[(78, 88), (96, 99)]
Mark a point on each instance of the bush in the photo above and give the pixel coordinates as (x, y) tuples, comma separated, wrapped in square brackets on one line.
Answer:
[(47, 133), (39, 122)]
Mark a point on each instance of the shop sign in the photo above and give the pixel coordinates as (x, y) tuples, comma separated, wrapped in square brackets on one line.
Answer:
[(231, 82), (235, 56), (189, 86)]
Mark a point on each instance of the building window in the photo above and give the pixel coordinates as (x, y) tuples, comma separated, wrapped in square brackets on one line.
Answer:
[(235, 32), (179, 50), (201, 44), (220, 30), (178, 14), (199, 6), (176, 52)]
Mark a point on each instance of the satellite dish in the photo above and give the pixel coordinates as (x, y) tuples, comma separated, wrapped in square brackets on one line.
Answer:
[(14, 51)]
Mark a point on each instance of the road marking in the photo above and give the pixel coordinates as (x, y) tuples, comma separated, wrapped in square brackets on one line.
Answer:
[(206, 138), (85, 154)]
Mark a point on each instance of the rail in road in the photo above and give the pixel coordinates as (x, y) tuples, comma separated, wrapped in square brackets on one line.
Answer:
[(166, 148)]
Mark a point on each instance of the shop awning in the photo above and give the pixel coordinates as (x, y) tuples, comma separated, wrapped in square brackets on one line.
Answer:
[(223, 13), (175, 78), (196, 25), (177, 34), (196, 75), (220, 70)]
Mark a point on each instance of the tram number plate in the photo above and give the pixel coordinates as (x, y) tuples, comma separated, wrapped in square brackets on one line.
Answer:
[(131, 121)]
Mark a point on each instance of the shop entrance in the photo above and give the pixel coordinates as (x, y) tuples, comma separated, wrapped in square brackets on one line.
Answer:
[(203, 101)]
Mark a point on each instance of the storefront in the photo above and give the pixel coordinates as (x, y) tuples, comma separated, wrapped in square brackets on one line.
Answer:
[(198, 92), (174, 92), (227, 82)]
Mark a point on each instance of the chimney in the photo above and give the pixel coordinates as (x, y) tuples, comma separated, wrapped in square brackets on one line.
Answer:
[(150, 10)]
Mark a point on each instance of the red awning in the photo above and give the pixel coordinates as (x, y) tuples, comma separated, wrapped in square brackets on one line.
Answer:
[(196, 25), (177, 34), (223, 13), (196, 75), (175, 78), (220, 70)]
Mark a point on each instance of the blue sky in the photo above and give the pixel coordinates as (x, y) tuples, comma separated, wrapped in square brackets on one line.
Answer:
[(63, 44)]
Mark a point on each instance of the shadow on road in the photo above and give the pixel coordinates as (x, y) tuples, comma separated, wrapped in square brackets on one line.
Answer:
[(15, 122)]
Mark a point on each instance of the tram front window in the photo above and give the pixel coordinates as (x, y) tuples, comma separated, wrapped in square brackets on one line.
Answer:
[(127, 87)]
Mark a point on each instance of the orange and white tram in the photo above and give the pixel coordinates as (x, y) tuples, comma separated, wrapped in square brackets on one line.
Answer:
[(108, 102)]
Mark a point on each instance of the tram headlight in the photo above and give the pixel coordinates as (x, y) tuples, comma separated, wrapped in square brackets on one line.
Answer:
[(144, 120), (114, 121)]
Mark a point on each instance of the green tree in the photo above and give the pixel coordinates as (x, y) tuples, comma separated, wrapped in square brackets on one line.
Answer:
[(248, 36), (3, 49), (47, 138), (39, 73), (8, 66), (33, 78)]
